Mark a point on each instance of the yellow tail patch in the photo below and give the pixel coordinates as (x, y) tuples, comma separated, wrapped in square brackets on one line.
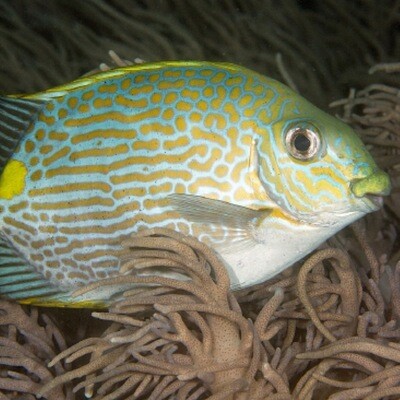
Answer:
[(12, 180)]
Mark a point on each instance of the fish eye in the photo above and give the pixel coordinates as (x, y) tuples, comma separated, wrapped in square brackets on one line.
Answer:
[(303, 143)]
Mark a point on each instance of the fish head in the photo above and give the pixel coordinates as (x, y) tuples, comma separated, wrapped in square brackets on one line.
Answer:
[(316, 168)]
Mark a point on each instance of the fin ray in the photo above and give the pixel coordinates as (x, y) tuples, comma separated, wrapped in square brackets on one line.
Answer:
[(12, 269), (16, 116), (20, 280), (9, 279), (238, 222), (209, 211)]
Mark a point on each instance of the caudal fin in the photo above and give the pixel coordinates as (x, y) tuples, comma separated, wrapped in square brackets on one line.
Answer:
[(16, 117)]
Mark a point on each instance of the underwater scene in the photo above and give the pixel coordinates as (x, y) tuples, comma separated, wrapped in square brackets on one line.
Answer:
[(200, 199)]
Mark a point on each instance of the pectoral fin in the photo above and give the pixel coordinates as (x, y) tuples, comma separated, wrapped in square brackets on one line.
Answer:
[(239, 223)]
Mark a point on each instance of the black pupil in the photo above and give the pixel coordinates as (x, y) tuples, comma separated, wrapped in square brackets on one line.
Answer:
[(302, 143)]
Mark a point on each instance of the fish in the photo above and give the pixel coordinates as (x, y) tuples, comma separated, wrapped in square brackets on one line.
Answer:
[(210, 149)]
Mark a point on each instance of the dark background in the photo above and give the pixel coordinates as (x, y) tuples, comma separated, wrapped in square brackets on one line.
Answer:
[(326, 46)]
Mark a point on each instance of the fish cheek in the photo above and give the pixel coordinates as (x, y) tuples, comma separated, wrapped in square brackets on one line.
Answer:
[(271, 178), (309, 186)]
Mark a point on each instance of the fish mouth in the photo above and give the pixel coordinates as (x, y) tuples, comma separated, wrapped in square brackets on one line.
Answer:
[(371, 189), (376, 184), (373, 201)]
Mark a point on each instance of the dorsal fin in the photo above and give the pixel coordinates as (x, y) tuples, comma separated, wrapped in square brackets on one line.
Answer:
[(16, 116)]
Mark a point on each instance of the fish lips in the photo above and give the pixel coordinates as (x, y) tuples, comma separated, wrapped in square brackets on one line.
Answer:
[(371, 189), (373, 202)]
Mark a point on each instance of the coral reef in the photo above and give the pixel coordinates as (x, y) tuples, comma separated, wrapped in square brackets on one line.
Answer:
[(195, 338), (28, 342), (325, 328), (374, 113)]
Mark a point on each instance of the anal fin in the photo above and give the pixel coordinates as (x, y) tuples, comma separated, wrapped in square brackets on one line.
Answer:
[(19, 280)]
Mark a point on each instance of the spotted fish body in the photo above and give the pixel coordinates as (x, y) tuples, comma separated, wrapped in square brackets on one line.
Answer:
[(194, 146)]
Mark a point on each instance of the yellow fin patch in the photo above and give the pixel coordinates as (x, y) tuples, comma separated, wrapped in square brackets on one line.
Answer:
[(12, 180)]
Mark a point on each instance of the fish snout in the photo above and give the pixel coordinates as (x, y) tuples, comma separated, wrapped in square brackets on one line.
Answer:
[(376, 184)]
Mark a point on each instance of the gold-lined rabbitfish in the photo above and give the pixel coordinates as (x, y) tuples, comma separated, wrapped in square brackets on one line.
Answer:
[(212, 149)]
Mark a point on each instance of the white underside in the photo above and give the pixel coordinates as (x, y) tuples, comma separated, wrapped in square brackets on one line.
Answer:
[(280, 249)]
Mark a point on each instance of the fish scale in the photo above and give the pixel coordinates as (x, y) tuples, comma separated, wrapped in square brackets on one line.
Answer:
[(193, 146), (89, 156)]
